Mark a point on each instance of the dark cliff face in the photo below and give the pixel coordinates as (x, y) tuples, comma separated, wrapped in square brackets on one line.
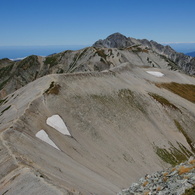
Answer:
[(117, 40)]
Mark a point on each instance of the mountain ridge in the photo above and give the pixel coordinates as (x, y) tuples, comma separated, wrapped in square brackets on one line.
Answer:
[(122, 126), (129, 112), (17, 74), (186, 63)]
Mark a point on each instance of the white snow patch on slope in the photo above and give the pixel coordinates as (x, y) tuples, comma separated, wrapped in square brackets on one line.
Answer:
[(57, 123), (154, 73), (44, 137)]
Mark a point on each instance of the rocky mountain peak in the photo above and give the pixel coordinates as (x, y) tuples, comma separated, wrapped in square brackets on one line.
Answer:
[(116, 40), (120, 41), (117, 35)]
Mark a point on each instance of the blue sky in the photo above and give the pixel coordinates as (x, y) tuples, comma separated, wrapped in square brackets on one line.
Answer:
[(82, 22)]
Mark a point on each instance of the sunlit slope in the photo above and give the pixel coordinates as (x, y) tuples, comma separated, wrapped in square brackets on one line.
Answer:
[(121, 126), (14, 75)]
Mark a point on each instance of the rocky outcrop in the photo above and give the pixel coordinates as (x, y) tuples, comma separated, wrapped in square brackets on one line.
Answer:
[(183, 61), (118, 40), (175, 180)]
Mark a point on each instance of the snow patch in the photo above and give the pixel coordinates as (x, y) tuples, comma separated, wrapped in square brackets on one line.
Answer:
[(44, 137), (57, 123), (154, 73)]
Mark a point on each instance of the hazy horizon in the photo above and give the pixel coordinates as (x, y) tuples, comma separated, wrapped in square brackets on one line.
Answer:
[(14, 52)]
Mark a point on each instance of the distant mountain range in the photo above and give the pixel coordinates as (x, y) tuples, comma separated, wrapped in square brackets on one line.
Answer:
[(191, 54), (182, 47), (15, 52), (118, 40)]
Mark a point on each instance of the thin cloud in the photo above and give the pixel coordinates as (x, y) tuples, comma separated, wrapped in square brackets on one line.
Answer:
[(177, 42)]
